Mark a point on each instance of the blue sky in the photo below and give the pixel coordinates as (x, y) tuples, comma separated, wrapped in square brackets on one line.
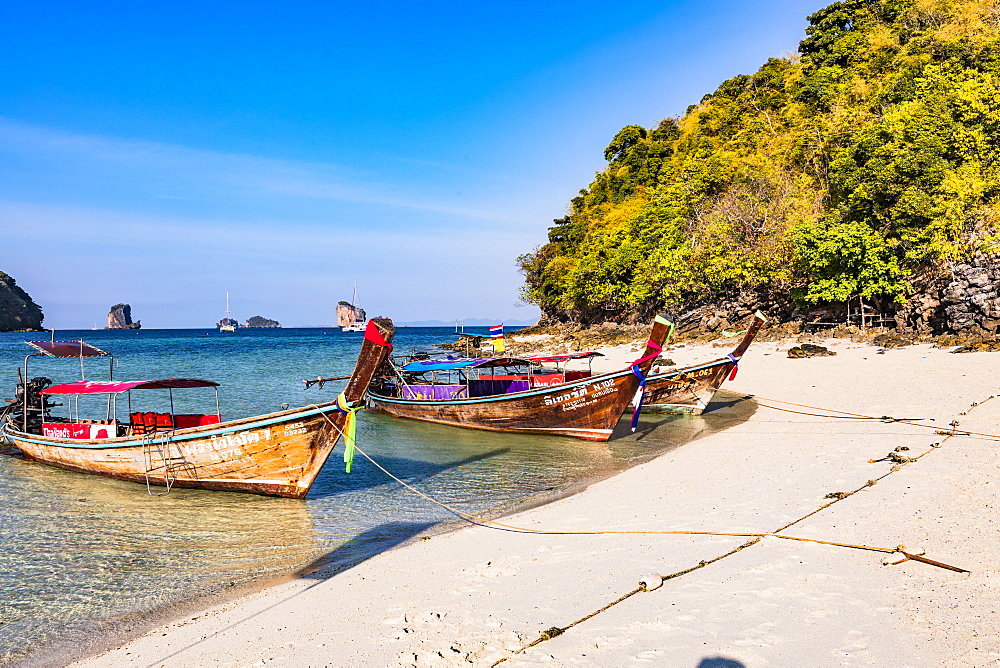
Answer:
[(161, 154)]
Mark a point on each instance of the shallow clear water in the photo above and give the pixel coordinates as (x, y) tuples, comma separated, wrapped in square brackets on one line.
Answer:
[(82, 554)]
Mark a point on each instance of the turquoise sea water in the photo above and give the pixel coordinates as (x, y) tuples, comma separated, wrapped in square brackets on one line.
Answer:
[(83, 555)]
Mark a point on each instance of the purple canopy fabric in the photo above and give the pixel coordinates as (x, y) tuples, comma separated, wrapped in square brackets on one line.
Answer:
[(461, 363), (67, 349)]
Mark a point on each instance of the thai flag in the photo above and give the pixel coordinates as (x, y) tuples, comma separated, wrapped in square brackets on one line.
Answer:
[(496, 334)]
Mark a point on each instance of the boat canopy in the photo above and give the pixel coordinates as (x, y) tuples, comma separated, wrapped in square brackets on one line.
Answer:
[(462, 363), (451, 364), (67, 349), (563, 357), (119, 386)]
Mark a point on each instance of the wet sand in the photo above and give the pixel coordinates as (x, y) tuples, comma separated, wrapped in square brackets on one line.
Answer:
[(481, 595)]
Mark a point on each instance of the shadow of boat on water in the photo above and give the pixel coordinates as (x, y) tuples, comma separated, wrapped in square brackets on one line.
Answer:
[(658, 433), (332, 480), (364, 546), (88, 556)]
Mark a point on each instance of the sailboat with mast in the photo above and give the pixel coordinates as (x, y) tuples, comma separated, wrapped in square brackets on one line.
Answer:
[(227, 324)]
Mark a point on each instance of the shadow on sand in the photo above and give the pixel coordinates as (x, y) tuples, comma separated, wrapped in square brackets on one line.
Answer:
[(362, 547)]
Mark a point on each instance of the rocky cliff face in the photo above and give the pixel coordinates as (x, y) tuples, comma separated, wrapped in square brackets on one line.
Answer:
[(120, 317), (347, 314), (18, 312), (963, 302)]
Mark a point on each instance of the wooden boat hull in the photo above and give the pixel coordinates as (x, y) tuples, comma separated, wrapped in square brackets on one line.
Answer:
[(588, 408), (691, 389), (279, 454), (687, 390)]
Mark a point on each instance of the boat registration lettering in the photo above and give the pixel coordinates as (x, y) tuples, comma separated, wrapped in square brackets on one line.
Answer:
[(222, 442), (601, 388), (295, 428), (589, 400)]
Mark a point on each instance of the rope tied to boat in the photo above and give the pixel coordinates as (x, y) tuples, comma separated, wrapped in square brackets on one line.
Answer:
[(350, 428), (640, 393)]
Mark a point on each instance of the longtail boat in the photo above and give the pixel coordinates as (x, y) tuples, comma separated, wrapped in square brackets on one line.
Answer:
[(586, 407), (278, 454), (690, 389)]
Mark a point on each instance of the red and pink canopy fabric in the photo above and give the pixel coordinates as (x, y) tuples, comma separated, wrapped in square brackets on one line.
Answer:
[(118, 386)]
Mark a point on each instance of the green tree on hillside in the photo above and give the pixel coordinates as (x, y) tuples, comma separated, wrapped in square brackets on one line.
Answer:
[(866, 161), (17, 310)]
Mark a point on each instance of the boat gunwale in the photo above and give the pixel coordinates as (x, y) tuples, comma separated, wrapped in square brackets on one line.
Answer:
[(696, 367)]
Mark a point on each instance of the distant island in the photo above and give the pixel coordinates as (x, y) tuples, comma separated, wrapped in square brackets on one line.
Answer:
[(228, 322), (120, 317), (18, 312), (261, 321)]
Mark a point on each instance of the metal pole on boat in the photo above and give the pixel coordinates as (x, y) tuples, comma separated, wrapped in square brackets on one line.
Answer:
[(111, 377), (172, 417), (24, 396), (217, 411)]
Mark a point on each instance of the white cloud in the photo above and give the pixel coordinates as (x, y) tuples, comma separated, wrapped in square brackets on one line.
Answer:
[(170, 172)]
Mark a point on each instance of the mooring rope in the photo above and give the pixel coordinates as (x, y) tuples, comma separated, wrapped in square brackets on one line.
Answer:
[(836, 496), (755, 537), (951, 431)]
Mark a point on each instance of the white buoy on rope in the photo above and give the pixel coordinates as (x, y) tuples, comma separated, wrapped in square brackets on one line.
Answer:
[(651, 582)]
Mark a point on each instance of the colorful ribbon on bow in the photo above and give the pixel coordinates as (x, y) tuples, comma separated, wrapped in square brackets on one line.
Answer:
[(736, 365), (640, 394), (350, 428)]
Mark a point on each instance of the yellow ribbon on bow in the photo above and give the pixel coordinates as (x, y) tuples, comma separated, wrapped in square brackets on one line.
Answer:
[(350, 428)]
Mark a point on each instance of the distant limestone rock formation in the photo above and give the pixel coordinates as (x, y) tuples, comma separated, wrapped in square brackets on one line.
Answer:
[(18, 313), (120, 317), (348, 315), (261, 321), (231, 322)]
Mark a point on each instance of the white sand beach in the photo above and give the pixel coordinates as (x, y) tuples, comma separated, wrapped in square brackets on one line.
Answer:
[(479, 595)]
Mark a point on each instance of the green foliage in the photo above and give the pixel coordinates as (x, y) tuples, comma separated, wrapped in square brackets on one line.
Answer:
[(844, 172), (846, 259), (17, 310)]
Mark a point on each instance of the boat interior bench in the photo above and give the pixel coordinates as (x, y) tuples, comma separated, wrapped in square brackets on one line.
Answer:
[(146, 423), (542, 378)]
